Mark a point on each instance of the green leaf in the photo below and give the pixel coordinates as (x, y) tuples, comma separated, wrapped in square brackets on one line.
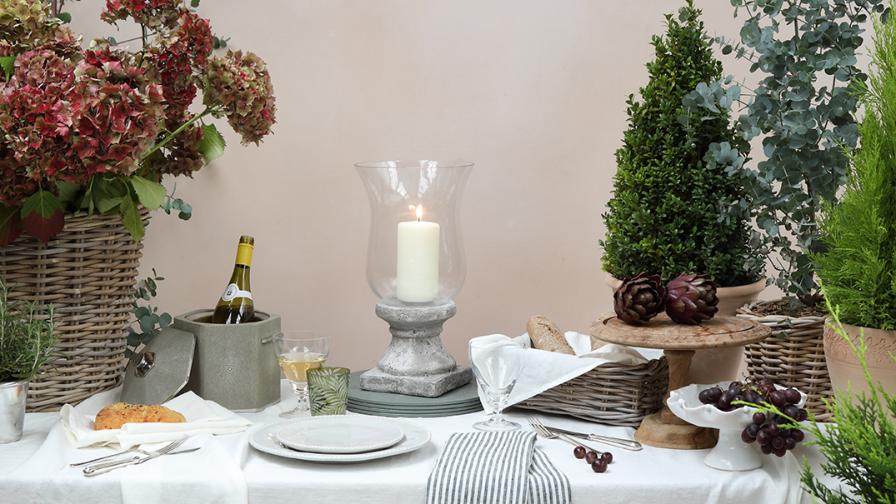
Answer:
[(194, 3), (151, 194), (212, 144), (10, 224), (130, 217), (65, 17), (42, 215), (8, 63), (67, 191)]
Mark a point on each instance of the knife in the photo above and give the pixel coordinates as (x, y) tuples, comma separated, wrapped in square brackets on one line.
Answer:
[(626, 444)]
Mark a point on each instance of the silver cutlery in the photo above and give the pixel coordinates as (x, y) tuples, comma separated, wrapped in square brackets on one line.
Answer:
[(133, 449), (543, 432), (625, 444), (107, 466)]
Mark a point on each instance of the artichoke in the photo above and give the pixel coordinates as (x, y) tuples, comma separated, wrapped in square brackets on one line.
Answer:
[(691, 299), (638, 299)]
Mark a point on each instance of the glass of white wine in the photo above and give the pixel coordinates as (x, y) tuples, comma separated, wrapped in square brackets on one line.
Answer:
[(297, 352)]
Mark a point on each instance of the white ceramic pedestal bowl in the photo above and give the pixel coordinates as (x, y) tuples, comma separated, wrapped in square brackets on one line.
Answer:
[(730, 453)]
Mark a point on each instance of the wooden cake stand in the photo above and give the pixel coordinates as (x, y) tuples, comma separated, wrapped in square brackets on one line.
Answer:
[(678, 342)]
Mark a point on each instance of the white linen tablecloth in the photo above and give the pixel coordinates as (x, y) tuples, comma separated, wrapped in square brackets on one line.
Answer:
[(653, 475)]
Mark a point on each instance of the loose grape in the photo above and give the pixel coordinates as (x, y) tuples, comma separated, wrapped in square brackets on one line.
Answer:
[(591, 456), (792, 395), (606, 457), (777, 398), (579, 452), (599, 466), (792, 411)]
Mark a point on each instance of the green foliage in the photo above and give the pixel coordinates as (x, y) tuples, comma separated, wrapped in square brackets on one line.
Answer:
[(858, 267), (212, 144), (26, 338), (7, 64), (679, 202), (804, 108), (148, 321), (860, 440)]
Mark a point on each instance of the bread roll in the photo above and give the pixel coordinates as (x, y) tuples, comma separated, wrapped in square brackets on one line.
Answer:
[(545, 336), (118, 414)]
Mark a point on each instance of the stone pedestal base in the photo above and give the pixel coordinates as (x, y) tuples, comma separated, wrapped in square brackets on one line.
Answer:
[(421, 386), (416, 363)]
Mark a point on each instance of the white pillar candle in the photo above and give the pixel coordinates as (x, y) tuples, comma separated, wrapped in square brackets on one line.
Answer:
[(417, 271)]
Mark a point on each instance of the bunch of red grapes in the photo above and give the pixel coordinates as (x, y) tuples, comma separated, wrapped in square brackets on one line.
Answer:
[(774, 433)]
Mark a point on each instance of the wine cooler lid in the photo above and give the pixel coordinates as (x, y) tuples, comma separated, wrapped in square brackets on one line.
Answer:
[(157, 371)]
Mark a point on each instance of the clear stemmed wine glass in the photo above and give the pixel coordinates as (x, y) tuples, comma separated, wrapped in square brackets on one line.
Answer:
[(496, 367), (297, 352)]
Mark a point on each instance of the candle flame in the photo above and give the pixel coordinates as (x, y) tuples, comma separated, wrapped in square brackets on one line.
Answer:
[(419, 212)]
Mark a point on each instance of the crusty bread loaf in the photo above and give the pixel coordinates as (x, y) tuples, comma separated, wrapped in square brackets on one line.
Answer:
[(115, 415), (545, 335)]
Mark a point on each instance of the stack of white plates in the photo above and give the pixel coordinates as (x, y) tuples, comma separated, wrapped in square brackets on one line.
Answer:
[(338, 438)]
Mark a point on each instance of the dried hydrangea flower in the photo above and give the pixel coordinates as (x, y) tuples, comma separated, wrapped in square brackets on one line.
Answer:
[(153, 14), (239, 84)]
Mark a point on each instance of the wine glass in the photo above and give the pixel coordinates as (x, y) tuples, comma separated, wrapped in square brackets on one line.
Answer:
[(496, 365), (297, 352)]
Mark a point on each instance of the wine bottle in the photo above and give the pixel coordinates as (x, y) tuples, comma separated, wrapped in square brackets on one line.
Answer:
[(235, 305)]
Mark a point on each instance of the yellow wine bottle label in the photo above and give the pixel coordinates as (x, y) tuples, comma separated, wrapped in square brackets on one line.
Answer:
[(232, 292), (244, 254)]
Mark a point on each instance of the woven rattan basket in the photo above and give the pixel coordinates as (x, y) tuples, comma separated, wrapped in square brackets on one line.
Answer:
[(87, 273), (793, 356), (612, 394)]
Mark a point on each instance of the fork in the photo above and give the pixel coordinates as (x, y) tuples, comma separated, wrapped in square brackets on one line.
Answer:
[(626, 444), (104, 467), (542, 431), (133, 449)]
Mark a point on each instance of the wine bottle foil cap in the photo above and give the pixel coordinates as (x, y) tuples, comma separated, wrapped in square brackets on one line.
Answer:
[(247, 240)]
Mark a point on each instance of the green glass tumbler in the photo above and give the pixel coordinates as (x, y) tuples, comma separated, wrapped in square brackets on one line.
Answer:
[(328, 390)]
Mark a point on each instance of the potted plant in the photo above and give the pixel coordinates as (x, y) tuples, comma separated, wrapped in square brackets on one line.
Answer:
[(859, 444), (87, 134), (679, 203), (858, 265), (805, 119), (26, 339)]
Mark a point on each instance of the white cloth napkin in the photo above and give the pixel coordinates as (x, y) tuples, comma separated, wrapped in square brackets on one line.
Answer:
[(212, 475), (542, 370), (203, 417)]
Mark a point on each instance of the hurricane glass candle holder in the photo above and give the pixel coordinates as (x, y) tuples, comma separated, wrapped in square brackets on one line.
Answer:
[(415, 266)]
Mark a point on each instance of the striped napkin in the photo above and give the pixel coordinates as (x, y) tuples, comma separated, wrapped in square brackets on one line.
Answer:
[(495, 468)]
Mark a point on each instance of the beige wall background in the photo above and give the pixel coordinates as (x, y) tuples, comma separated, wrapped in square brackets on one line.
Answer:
[(531, 91)]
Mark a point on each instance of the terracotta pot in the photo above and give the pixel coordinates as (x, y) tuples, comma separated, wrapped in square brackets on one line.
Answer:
[(719, 364), (843, 366)]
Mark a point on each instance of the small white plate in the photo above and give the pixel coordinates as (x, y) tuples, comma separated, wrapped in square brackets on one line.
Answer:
[(340, 434), (262, 438)]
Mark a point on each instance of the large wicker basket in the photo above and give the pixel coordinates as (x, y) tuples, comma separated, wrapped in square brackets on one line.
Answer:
[(88, 274), (792, 356), (612, 394)]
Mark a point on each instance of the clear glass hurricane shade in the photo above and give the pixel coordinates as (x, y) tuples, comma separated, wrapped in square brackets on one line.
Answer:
[(415, 254)]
